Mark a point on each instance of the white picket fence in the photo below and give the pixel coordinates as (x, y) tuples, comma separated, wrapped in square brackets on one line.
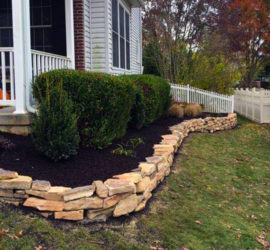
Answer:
[(211, 101), (253, 104)]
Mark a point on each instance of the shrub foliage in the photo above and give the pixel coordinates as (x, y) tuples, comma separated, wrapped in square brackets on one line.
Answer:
[(55, 132), (102, 103), (154, 92)]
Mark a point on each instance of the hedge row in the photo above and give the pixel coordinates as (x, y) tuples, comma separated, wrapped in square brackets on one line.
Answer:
[(153, 97), (105, 105)]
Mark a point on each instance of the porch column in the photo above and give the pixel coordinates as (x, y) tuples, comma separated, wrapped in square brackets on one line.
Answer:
[(22, 51), (70, 32)]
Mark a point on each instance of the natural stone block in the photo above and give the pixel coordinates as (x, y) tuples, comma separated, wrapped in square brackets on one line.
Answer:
[(161, 149), (21, 182), (120, 186), (93, 214), (20, 194), (162, 165), (54, 194), (101, 189), (113, 200), (155, 159), (147, 168), (126, 206), (134, 177), (7, 175), (143, 184), (46, 215), (71, 215), (44, 205), (160, 175), (41, 185), (79, 192), (170, 137), (143, 203), (6, 193), (153, 184), (84, 203)]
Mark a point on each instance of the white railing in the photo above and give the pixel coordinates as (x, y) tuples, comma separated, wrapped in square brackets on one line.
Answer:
[(253, 104), (43, 62), (7, 82), (211, 101)]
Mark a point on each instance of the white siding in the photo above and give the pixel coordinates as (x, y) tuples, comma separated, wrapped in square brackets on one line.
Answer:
[(95, 32), (98, 37), (136, 41), (87, 34)]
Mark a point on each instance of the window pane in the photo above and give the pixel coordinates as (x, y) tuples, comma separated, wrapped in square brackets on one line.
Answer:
[(127, 26), (115, 15), (47, 15), (6, 39), (122, 22), (115, 50), (128, 54), (122, 53)]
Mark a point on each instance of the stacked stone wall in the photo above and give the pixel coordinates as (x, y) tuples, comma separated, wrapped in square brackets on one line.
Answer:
[(121, 195)]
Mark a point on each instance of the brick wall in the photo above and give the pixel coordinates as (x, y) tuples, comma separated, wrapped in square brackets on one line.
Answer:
[(79, 34)]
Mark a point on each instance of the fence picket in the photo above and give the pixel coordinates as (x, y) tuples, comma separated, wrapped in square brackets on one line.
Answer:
[(212, 102), (253, 104)]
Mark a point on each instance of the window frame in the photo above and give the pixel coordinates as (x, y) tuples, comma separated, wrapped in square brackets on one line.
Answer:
[(127, 40)]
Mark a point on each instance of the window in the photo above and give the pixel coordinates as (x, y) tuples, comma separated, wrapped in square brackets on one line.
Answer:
[(41, 25), (48, 26), (48, 30), (6, 37), (120, 36)]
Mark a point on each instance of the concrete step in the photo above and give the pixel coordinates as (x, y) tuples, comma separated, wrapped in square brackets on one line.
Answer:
[(14, 123)]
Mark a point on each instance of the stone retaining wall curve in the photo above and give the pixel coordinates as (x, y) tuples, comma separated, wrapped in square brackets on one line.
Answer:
[(121, 195)]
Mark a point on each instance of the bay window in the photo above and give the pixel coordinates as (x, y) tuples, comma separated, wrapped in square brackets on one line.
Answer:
[(120, 35)]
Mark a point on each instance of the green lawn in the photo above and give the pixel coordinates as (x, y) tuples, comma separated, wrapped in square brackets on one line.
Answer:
[(218, 197)]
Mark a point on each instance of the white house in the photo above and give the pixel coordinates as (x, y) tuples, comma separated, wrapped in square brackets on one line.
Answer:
[(41, 35)]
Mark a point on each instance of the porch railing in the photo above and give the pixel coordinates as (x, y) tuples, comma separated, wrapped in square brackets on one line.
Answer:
[(7, 79), (41, 62), (212, 102)]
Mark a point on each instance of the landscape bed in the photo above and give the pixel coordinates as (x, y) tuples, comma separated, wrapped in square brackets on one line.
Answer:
[(119, 195), (90, 164)]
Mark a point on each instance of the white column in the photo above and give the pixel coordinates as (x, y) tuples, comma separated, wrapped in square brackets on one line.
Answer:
[(70, 32), (22, 51)]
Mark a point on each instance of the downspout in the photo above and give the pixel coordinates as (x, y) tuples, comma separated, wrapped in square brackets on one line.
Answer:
[(29, 107)]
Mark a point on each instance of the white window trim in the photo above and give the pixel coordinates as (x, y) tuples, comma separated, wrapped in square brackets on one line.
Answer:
[(119, 69)]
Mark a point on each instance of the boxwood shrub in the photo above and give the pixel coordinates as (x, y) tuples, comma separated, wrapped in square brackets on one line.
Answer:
[(153, 98), (102, 102)]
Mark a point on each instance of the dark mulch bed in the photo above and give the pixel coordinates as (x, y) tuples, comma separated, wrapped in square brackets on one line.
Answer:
[(89, 164)]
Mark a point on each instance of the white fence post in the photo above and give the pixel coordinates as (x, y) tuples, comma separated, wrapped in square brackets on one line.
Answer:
[(188, 93)]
